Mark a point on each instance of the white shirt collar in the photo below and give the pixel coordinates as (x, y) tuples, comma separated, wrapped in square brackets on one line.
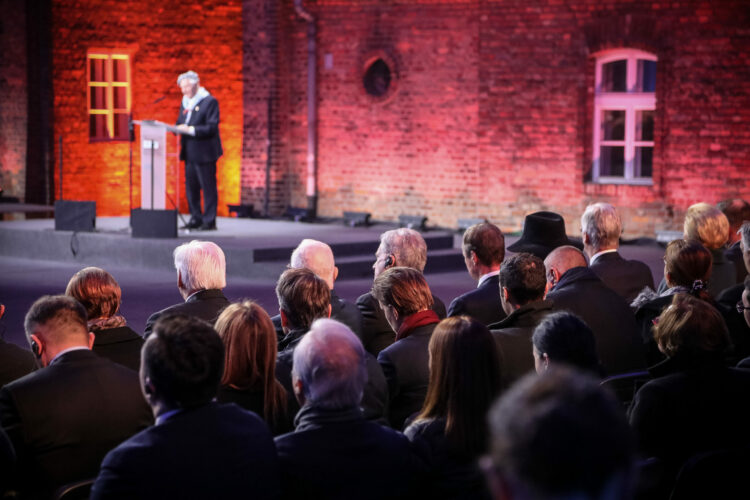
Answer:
[(597, 254), (487, 276)]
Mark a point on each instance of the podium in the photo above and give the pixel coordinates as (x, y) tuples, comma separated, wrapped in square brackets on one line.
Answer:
[(153, 220)]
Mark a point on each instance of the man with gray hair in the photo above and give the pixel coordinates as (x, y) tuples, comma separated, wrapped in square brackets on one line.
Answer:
[(731, 297), (601, 227), (398, 248), (334, 452), (318, 258), (201, 275), (198, 123)]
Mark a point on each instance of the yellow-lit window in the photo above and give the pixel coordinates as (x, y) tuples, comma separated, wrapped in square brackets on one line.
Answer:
[(109, 80)]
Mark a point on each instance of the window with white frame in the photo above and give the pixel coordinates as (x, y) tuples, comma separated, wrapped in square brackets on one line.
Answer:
[(624, 104), (108, 94)]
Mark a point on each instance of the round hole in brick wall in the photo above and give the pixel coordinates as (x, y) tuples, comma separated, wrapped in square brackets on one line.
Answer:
[(377, 78)]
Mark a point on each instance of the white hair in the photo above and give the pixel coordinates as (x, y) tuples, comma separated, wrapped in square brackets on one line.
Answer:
[(407, 246), (188, 75), (707, 224), (602, 224), (330, 362), (201, 265), (745, 234), (315, 256)]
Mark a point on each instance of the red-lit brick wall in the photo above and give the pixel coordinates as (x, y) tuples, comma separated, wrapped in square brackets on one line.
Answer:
[(13, 105), (167, 38), (492, 110)]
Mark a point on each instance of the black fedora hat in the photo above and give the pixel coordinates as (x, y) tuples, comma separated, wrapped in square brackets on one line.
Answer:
[(542, 233)]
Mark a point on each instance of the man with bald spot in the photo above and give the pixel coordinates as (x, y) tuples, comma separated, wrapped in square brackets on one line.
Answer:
[(573, 287)]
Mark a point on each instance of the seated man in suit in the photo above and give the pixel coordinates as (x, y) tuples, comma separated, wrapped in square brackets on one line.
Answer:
[(728, 300), (405, 298), (601, 227), (574, 287), (559, 435), (198, 448), (318, 258), (737, 212), (201, 275), (63, 418), (303, 298), (334, 453), (484, 250), (15, 362), (399, 247), (522, 284)]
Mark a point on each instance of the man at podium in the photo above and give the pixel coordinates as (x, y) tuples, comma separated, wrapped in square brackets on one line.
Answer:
[(200, 149)]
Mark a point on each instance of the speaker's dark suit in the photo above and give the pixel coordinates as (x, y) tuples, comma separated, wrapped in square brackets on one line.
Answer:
[(377, 334), (581, 292), (626, 277), (206, 305), (214, 451), (482, 303), (64, 418), (200, 153)]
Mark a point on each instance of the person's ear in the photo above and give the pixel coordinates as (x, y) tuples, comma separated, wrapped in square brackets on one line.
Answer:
[(330, 308), (335, 273), (474, 258), (92, 338), (148, 387), (37, 346), (505, 293), (545, 361), (180, 284), (298, 389), (585, 238), (284, 319)]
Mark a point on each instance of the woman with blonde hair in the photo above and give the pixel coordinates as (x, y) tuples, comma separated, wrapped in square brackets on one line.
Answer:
[(249, 378), (100, 295)]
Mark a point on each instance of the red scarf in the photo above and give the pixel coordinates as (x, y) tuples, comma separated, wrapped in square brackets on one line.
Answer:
[(421, 318)]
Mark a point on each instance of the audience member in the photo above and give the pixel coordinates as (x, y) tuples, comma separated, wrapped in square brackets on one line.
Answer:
[(63, 418), (15, 362), (542, 233), (405, 298), (522, 287), (743, 307), (450, 431), (563, 338), (100, 294), (398, 247), (334, 453), (484, 251), (737, 212), (575, 288), (601, 227), (201, 275), (198, 448), (706, 224), (695, 403), (559, 435), (303, 298), (729, 299), (7, 464), (249, 377), (318, 258)]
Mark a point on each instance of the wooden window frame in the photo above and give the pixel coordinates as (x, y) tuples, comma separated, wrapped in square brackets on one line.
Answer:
[(109, 55)]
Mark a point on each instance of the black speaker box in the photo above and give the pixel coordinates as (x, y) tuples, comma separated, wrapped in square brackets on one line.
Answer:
[(75, 215), (153, 223)]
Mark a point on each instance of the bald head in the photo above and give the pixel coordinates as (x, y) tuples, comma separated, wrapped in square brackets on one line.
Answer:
[(317, 257), (560, 260)]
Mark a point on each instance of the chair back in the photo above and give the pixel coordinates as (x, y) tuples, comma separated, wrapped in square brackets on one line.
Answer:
[(80, 490), (625, 385), (713, 474)]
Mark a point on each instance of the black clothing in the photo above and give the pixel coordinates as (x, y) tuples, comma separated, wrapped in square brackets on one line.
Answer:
[(482, 303), (341, 310), (253, 400), (15, 362), (205, 304), (626, 277), (121, 345)]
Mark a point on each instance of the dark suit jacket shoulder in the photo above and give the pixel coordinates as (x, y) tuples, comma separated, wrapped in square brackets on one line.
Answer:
[(206, 305), (15, 362), (121, 345), (626, 277), (482, 303), (214, 451), (64, 418), (205, 145)]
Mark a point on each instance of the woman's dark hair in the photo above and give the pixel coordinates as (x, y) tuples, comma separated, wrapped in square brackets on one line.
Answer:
[(689, 265), (566, 338), (250, 355), (691, 328), (464, 381)]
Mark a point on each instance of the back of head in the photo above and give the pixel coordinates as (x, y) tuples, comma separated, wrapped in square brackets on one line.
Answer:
[(523, 275), (330, 363), (736, 211), (692, 329), (565, 258), (560, 435), (602, 224), (302, 296), (315, 256), (486, 241), (465, 378), (687, 262), (565, 338), (97, 290), (407, 246), (706, 223), (201, 264), (183, 359), (63, 319), (745, 235), (404, 288)]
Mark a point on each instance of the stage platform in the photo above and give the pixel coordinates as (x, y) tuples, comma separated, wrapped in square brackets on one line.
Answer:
[(254, 248)]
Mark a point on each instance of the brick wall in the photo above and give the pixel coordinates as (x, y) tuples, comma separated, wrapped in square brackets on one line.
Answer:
[(167, 38), (492, 111)]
